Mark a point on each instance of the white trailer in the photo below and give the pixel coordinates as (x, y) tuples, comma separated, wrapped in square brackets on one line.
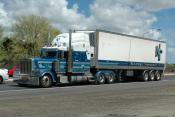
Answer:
[(118, 54), (129, 55)]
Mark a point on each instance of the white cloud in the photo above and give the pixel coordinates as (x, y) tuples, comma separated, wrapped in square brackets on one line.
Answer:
[(120, 17), (126, 16), (54, 10), (4, 20), (152, 5)]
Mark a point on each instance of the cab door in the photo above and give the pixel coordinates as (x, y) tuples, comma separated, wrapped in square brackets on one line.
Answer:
[(85, 63)]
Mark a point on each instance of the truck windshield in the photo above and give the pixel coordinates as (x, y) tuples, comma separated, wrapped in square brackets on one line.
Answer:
[(48, 54), (53, 54)]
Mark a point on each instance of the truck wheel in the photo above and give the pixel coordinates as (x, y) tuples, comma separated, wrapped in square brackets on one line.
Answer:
[(145, 76), (100, 78), (45, 81), (157, 76), (1, 80), (110, 78), (151, 76)]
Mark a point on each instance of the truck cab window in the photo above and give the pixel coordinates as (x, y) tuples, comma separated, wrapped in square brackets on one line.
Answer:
[(62, 55), (48, 54), (51, 54)]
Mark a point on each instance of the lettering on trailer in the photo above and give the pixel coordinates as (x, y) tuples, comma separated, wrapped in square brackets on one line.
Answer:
[(158, 52)]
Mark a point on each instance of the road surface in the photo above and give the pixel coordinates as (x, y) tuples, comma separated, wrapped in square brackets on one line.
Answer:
[(132, 99)]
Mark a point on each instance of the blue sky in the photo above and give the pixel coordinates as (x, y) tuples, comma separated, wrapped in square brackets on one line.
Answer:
[(84, 5), (166, 22), (134, 17)]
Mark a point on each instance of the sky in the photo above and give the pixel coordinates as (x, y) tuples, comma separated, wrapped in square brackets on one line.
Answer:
[(153, 19)]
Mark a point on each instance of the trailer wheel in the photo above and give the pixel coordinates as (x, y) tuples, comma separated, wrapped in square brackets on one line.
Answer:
[(157, 76), (45, 81), (1, 80), (151, 76), (145, 76), (110, 78), (100, 78)]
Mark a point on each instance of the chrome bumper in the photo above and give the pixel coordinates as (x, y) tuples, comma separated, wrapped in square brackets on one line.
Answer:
[(26, 79)]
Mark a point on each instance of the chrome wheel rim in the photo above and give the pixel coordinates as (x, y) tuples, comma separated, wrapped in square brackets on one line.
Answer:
[(158, 76), (46, 81), (111, 78), (102, 78), (146, 76), (152, 76)]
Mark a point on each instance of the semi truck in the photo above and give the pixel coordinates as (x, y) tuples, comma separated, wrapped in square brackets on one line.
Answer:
[(94, 56)]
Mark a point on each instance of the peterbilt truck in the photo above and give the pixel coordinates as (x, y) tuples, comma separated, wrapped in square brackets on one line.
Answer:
[(94, 56)]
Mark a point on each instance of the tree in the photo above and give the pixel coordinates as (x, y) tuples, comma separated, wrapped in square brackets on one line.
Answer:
[(1, 46), (31, 33), (1, 32), (6, 50)]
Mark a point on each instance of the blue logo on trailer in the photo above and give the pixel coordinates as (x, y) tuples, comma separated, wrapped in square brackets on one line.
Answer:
[(158, 52)]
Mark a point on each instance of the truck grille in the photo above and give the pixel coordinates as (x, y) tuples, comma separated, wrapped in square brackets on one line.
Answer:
[(25, 66)]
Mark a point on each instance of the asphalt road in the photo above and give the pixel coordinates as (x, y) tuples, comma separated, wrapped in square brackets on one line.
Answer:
[(132, 99)]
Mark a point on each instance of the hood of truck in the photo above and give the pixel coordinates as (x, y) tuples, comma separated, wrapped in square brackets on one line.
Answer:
[(45, 59), (43, 63)]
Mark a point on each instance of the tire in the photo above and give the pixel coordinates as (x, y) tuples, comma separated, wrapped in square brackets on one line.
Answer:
[(151, 76), (157, 76), (45, 81), (100, 78), (1, 80), (110, 78), (145, 76)]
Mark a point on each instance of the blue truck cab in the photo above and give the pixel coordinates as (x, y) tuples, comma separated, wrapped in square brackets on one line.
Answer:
[(58, 63)]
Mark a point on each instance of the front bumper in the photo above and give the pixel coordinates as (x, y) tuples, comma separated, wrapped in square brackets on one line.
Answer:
[(26, 79)]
